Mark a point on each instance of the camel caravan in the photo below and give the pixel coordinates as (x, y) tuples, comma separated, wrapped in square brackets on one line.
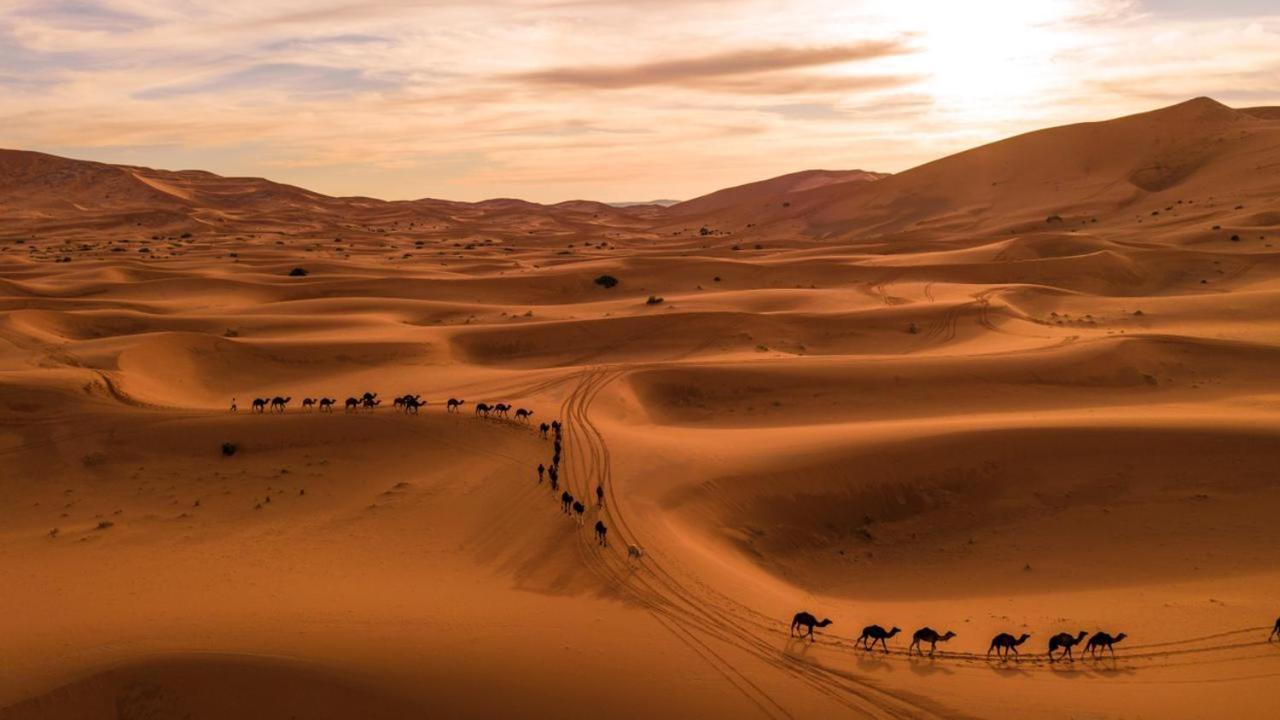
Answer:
[(1003, 645), (407, 404)]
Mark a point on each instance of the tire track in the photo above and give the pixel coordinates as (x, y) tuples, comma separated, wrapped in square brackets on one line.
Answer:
[(661, 593), (725, 620)]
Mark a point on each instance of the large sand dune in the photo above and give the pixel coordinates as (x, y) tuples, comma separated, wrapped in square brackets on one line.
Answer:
[(1031, 387)]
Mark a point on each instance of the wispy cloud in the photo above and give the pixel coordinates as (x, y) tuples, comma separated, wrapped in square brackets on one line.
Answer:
[(290, 79), (690, 71)]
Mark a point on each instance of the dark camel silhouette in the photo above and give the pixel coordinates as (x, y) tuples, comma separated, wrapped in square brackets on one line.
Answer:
[(1006, 642), (411, 404), (555, 425), (553, 475), (308, 404), (578, 510), (1100, 641), (555, 447), (1275, 632), (541, 470), (928, 635), (600, 496), (259, 405), (522, 414), (602, 533), (398, 403), (802, 619), (278, 403), (326, 404), (369, 397), (876, 634), (369, 403), (543, 428), (566, 502), (1064, 642), (453, 404), (352, 404), (236, 409), (501, 409), (483, 409)]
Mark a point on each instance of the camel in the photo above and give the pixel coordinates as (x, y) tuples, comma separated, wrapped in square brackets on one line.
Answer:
[(278, 403), (352, 404), (369, 403), (453, 404), (600, 496), (1006, 642), (553, 475), (929, 635), (308, 404), (369, 397), (1275, 632), (398, 403), (555, 425), (501, 409), (483, 409), (876, 634), (236, 409), (1064, 642), (543, 428), (326, 404), (635, 552), (259, 405), (555, 447), (411, 404), (541, 470), (802, 619), (566, 502), (578, 510), (601, 533), (523, 415), (1102, 640)]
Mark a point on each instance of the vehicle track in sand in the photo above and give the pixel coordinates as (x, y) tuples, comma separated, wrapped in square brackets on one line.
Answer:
[(705, 619)]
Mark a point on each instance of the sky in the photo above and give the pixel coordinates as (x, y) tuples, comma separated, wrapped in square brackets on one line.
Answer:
[(551, 100)]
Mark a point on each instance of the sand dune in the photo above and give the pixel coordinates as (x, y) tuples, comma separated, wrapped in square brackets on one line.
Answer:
[(1027, 388)]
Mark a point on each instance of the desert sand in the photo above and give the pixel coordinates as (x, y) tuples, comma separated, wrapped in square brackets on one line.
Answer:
[(1029, 388)]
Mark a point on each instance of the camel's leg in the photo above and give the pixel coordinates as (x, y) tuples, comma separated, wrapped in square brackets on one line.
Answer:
[(993, 647), (933, 647)]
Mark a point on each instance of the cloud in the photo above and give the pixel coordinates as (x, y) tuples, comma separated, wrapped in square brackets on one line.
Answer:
[(692, 71), (84, 15), (289, 78)]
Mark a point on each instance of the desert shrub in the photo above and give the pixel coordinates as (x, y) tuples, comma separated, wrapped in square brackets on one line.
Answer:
[(104, 524), (607, 281), (653, 300), (1053, 219), (229, 449), (298, 272)]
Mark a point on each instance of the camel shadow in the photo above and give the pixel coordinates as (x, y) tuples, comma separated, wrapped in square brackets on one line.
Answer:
[(926, 666), (1008, 669), (870, 663)]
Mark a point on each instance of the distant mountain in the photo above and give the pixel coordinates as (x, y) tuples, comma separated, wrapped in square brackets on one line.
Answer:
[(1198, 150)]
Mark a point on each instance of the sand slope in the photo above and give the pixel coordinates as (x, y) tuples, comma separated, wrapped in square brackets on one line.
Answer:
[(1027, 388)]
